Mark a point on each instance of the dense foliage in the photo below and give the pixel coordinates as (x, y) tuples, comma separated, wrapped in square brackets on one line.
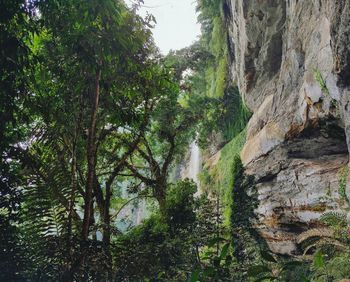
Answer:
[(94, 119), (89, 110)]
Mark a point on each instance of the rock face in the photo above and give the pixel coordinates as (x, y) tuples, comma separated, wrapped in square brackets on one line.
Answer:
[(291, 61)]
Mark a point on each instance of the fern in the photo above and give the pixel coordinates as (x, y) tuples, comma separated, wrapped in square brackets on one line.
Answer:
[(321, 81), (334, 219), (44, 213)]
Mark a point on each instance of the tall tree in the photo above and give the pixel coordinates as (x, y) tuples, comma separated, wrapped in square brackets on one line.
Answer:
[(15, 28), (98, 81), (172, 127)]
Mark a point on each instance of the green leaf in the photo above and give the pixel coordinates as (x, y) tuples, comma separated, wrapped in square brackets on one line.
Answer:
[(318, 259), (291, 264), (194, 276), (258, 269), (224, 251), (209, 271), (228, 260), (267, 256), (265, 278), (216, 240), (206, 257), (304, 279)]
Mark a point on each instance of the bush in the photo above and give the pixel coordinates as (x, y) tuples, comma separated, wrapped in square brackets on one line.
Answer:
[(161, 247)]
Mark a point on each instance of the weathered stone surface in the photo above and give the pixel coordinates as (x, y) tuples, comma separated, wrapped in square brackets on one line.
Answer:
[(291, 61), (297, 183)]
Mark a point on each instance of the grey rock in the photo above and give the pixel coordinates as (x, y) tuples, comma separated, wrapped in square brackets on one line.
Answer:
[(299, 136)]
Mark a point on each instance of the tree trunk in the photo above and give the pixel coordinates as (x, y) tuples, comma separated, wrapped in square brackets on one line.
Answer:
[(74, 188), (67, 276), (160, 195), (91, 157), (107, 231)]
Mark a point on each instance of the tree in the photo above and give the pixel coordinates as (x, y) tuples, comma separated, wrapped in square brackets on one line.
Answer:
[(171, 128), (16, 25), (98, 86)]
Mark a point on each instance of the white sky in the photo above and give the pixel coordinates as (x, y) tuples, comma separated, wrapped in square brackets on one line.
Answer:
[(176, 26)]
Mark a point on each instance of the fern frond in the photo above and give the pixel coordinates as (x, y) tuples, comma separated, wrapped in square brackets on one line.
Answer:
[(334, 219), (324, 242)]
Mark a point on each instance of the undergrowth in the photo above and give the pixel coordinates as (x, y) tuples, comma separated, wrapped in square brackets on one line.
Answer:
[(221, 177)]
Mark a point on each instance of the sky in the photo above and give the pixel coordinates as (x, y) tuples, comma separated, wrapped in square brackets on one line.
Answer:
[(176, 26)]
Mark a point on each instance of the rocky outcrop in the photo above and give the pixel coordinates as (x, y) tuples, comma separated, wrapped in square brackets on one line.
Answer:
[(291, 61)]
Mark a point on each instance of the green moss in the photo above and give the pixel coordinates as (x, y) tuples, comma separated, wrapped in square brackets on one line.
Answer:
[(216, 78), (229, 116), (343, 173), (210, 80), (217, 70), (221, 177), (220, 77), (226, 162), (236, 116), (226, 171), (218, 41), (206, 180)]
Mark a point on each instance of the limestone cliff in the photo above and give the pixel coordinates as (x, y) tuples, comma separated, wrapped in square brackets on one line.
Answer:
[(291, 61)]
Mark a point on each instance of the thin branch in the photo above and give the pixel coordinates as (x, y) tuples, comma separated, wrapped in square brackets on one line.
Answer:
[(169, 157), (143, 178)]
